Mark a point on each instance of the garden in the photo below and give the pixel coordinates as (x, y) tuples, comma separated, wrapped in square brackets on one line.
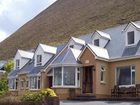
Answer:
[(44, 97)]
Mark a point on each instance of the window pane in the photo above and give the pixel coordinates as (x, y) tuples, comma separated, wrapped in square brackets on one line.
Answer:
[(124, 76), (133, 77), (39, 59), (102, 76), (130, 37), (17, 64), (96, 42), (57, 76), (38, 82), (69, 76)]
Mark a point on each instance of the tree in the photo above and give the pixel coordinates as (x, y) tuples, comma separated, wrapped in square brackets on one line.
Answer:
[(9, 66)]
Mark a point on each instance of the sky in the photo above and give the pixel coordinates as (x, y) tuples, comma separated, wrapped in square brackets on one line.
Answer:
[(15, 13)]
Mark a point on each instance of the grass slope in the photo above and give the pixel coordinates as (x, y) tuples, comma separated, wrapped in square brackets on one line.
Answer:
[(67, 18)]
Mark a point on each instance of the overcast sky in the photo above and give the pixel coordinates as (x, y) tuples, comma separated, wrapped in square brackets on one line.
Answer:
[(15, 13)]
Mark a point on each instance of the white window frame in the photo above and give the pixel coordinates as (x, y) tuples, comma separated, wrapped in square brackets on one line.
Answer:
[(12, 81), (40, 62), (104, 74), (62, 82), (27, 83), (95, 40), (37, 78), (132, 70), (127, 39), (17, 64)]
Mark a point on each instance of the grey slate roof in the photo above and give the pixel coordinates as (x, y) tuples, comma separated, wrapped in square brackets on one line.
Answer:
[(131, 50), (116, 46), (13, 73)]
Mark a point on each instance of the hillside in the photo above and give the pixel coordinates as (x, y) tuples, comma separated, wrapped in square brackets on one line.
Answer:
[(67, 18)]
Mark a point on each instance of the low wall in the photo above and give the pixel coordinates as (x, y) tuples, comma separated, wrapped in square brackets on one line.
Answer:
[(48, 101)]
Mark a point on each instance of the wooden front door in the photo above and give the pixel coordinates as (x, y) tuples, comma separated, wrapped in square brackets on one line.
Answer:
[(87, 80)]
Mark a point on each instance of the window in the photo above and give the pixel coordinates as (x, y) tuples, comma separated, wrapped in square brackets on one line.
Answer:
[(27, 83), (69, 76), (58, 76), (71, 46), (13, 83), (102, 74), (39, 60), (17, 64), (66, 77), (126, 75), (96, 42), (78, 76), (35, 82), (130, 38)]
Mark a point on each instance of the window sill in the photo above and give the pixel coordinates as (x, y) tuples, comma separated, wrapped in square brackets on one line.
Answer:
[(126, 85), (103, 82), (12, 89), (65, 87), (34, 89)]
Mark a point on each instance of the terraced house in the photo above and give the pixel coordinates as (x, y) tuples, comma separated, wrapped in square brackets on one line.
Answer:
[(89, 65)]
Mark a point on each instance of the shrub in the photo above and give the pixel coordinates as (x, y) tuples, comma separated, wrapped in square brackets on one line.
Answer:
[(40, 96)]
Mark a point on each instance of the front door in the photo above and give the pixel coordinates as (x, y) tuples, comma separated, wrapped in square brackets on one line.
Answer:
[(87, 80), (50, 81)]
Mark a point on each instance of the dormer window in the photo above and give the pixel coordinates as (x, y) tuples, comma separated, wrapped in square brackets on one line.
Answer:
[(39, 60), (71, 46), (17, 63), (130, 38), (96, 42)]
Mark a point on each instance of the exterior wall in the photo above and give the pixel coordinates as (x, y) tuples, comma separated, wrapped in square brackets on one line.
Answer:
[(113, 65), (99, 89), (44, 79), (66, 93), (88, 59), (22, 90), (102, 88), (45, 56)]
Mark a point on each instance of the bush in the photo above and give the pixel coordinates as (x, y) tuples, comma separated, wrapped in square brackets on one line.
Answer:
[(40, 96)]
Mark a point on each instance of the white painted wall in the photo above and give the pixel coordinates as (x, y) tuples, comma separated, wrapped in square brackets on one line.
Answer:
[(136, 33), (23, 61), (102, 41), (76, 45), (45, 56)]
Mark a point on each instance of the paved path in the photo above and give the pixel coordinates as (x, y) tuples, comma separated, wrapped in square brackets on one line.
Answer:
[(98, 103)]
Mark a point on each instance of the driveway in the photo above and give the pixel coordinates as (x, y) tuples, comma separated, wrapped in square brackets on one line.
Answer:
[(98, 103)]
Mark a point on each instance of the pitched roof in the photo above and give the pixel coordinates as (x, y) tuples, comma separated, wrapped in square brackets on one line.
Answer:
[(13, 73), (2, 63), (98, 51), (26, 54), (103, 34), (68, 56), (79, 41), (133, 24), (48, 49)]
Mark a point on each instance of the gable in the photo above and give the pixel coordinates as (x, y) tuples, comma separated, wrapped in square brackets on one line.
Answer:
[(87, 58)]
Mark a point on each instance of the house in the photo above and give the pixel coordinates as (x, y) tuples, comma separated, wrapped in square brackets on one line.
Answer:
[(89, 65), (2, 71)]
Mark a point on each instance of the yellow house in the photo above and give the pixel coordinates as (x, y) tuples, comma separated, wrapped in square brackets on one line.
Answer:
[(90, 65)]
